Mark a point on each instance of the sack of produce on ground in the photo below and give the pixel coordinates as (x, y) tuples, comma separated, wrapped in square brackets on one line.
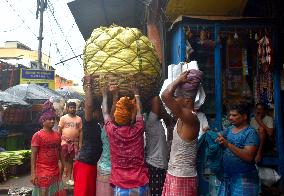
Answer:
[(122, 56)]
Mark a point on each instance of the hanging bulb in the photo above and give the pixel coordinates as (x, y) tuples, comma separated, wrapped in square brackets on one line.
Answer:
[(256, 36), (236, 35)]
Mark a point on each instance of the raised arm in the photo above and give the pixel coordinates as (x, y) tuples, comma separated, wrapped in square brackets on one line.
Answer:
[(88, 83), (114, 91), (138, 101), (104, 104), (268, 129), (156, 105), (171, 103)]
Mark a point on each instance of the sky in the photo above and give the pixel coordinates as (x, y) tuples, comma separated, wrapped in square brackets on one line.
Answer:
[(62, 38)]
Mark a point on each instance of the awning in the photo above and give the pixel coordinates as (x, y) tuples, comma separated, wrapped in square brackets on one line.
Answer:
[(176, 8), (91, 14)]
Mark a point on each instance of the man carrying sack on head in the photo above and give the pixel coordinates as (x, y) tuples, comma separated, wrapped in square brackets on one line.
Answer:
[(129, 174), (179, 97)]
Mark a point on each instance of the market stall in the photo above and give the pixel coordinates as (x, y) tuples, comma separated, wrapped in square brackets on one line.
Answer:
[(14, 163), (35, 95), (14, 114), (240, 60)]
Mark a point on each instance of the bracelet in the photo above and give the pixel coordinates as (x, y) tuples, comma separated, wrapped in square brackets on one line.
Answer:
[(137, 95)]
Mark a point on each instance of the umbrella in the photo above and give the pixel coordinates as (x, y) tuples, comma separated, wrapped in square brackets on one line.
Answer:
[(30, 92), (70, 94), (8, 99)]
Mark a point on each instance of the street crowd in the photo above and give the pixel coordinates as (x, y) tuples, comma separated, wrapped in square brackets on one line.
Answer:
[(117, 150)]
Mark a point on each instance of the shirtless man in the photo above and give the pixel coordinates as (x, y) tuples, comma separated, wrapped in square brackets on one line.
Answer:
[(181, 177), (70, 128)]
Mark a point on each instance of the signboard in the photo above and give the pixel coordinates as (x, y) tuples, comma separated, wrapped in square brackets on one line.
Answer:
[(44, 78)]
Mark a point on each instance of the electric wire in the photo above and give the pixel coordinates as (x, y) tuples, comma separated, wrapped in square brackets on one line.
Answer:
[(14, 10), (62, 59), (12, 29), (50, 7)]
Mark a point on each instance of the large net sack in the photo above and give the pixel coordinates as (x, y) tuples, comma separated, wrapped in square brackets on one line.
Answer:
[(122, 56)]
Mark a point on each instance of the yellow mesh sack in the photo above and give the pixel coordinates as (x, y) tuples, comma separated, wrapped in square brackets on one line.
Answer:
[(123, 56)]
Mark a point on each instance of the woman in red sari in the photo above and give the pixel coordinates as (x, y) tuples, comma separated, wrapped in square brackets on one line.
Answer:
[(46, 153)]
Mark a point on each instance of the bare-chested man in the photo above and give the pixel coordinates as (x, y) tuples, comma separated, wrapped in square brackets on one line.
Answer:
[(70, 127)]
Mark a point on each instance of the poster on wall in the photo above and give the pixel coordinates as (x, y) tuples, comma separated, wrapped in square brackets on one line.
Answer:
[(44, 78)]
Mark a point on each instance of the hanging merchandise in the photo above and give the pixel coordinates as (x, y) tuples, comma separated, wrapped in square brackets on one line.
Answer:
[(256, 36), (250, 34), (235, 34), (264, 53), (234, 68), (188, 47), (246, 91), (204, 39), (264, 82)]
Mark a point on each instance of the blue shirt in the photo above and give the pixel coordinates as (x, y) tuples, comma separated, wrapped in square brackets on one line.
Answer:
[(232, 163)]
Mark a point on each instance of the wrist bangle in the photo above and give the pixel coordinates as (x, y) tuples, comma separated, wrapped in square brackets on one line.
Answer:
[(137, 95)]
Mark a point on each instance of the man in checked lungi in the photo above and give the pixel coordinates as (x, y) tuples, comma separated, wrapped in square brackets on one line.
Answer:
[(241, 144), (179, 97)]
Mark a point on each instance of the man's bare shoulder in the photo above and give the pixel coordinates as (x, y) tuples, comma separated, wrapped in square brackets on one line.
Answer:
[(78, 117), (190, 116), (63, 117)]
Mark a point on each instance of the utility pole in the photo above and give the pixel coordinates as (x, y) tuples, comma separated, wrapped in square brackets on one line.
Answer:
[(41, 6)]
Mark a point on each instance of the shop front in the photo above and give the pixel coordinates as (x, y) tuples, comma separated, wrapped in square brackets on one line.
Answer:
[(241, 63)]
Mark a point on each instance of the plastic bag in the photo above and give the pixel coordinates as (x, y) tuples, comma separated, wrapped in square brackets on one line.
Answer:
[(268, 176)]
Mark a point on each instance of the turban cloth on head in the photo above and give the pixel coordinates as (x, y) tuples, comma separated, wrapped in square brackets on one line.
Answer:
[(123, 110), (190, 88), (48, 112)]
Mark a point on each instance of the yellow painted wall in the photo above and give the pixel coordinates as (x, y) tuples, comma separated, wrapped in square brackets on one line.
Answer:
[(30, 55), (176, 8)]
